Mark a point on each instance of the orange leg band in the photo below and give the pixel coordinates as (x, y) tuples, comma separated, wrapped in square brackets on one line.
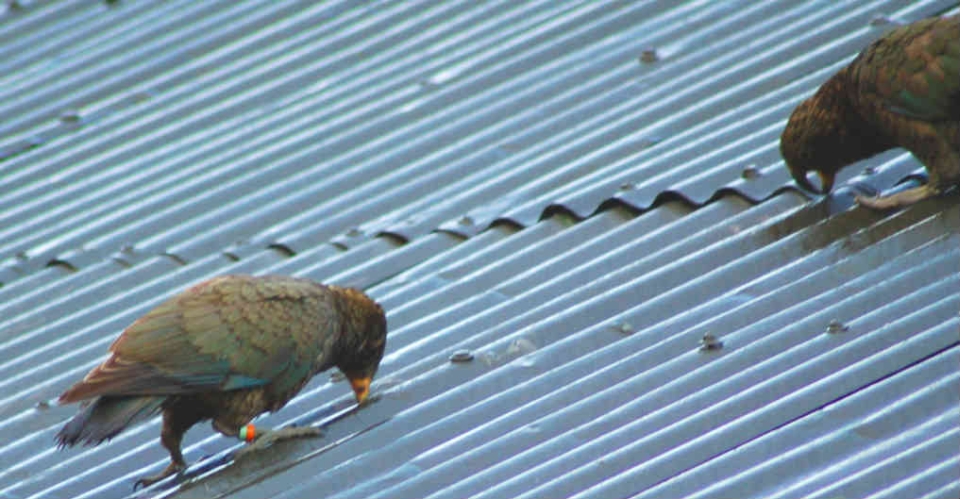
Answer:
[(248, 433)]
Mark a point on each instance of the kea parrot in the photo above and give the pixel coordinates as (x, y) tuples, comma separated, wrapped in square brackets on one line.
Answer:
[(903, 90), (227, 349)]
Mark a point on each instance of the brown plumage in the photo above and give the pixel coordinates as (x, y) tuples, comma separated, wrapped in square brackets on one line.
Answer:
[(227, 350), (903, 90)]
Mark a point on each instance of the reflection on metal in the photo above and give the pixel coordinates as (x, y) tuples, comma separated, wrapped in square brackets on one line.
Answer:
[(508, 181)]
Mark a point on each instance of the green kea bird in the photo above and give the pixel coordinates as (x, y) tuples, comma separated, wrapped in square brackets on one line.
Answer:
[(903, 90), (227, 349)]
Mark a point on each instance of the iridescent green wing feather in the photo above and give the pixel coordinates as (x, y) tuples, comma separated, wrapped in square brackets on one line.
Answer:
[(915, 70), (226, 334)]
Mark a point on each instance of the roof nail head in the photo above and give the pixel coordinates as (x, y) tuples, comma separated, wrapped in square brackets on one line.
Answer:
[(709, 343), (70, 116), (649, 56), (750, 172), (461, 356), (882, 20), (836, 326)]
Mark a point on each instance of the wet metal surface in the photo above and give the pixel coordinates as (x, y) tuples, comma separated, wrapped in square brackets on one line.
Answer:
[(558, 205)]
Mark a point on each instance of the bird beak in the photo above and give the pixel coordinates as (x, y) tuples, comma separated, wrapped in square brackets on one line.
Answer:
[(826, 182), (800, 177), (361, 388)]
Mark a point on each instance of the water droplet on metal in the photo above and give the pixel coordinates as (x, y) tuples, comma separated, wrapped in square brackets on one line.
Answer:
[(870, 170), (710, 342), (465, 220), (337, 376), (649, 56), (836, 326), (42, 405), (461, 356), (443, 76), (627, 186), (521, 346), (354, 232), (622, 328)]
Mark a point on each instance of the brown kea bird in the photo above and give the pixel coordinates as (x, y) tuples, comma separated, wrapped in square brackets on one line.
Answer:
[(903, 90), (227, 349)]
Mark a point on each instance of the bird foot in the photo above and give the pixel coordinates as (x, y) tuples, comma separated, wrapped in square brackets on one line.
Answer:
[(266, 438), (898, 200), (171, 469)]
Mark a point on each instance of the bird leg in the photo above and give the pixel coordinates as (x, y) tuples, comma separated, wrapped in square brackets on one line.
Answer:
[(170, 437), (175, 424), (172, 469), (900, 199), (266, 437)]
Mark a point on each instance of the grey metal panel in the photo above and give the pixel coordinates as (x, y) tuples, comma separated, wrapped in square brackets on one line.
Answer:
[(493, 81), (420, 456), (635, 207), (189, 192), (907, 408), (499, 382)]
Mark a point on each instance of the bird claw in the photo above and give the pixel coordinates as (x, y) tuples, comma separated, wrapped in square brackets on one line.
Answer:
[(171, 469), (898, 200)]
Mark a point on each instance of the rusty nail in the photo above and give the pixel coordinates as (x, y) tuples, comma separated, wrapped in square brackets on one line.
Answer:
[(649, 56), (750, 172)]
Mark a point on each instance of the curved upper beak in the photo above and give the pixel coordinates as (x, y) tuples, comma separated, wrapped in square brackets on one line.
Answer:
[(826, 181), (361, 388)]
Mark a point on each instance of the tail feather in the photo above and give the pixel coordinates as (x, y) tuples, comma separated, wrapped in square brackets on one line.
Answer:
[(104, 417)]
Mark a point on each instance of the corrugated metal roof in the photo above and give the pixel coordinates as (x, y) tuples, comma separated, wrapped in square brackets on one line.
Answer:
[(508, 178)]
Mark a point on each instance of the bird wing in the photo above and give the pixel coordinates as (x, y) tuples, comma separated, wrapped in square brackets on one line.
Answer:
[(916, 70), (228, 333)]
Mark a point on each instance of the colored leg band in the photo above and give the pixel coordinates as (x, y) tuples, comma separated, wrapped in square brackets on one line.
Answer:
[(248, 433)]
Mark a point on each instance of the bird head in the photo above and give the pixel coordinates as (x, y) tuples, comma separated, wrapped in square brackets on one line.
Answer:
[(809, 145), (363, 343)]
